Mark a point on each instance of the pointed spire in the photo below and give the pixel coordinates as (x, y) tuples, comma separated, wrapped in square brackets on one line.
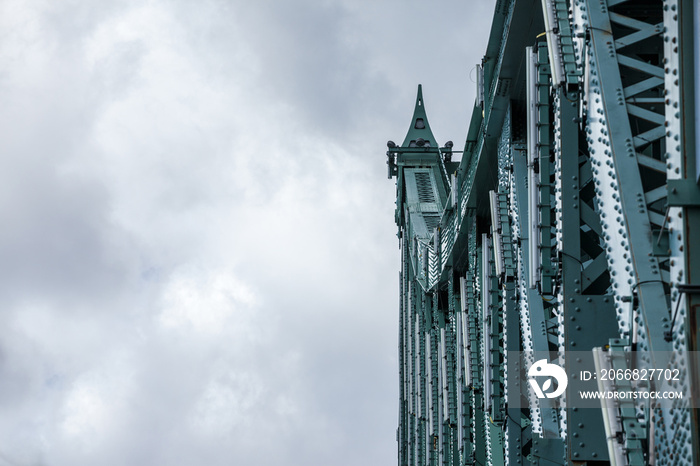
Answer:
[(419, 129)]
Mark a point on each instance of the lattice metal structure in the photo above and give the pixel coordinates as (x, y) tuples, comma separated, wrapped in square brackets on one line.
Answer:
[(569, 225)]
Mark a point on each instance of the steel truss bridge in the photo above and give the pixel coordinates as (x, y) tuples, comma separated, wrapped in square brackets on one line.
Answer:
[(569, 226)]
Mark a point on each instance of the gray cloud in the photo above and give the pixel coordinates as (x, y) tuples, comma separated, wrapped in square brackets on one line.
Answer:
[(198, 255)]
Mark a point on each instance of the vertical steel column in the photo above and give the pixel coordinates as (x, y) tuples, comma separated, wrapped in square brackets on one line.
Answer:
[(588, 318), (476, 341), (682, 54), (403, 430)]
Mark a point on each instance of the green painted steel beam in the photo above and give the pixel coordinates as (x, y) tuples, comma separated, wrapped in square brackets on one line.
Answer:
[(620, 151)]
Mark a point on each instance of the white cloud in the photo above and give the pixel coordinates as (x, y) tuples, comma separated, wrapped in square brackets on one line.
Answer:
[(94, 406), (207, 303)]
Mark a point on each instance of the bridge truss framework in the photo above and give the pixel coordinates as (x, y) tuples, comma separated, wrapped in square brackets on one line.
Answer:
[(570, 224)]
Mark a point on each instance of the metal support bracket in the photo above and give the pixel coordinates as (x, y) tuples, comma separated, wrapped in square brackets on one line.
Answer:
[(683, 193)]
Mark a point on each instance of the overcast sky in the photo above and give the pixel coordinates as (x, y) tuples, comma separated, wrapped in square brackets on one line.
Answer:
[(198, 260)]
